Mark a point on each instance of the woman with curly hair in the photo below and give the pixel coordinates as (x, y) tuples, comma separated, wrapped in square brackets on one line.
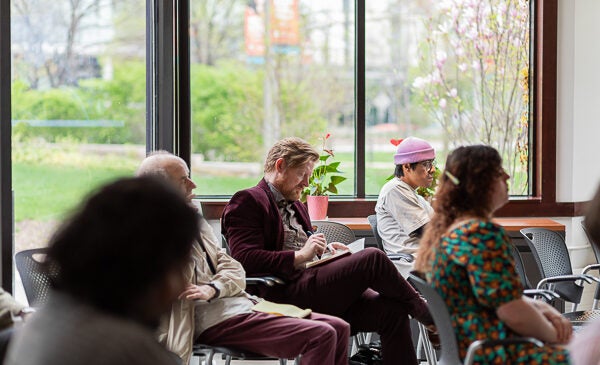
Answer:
[(467, 258)]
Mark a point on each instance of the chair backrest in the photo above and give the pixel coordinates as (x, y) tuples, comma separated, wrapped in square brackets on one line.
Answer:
[(519, 267), (449, 354), (335, 232), (594, 244), (552, 258), (373, 222), (36, 279)]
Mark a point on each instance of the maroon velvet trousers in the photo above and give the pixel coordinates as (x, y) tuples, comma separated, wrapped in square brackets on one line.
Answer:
[(321, 339), (366, 290)]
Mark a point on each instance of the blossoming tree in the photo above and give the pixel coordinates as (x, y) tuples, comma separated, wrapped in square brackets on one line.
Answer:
[(474, 74)]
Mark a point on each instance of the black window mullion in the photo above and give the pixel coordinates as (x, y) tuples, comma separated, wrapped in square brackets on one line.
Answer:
[(183, 125), (160, 76), (360, 100), (6, 201)]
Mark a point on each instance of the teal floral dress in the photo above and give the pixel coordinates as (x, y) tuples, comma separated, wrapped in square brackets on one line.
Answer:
[(474, 272)]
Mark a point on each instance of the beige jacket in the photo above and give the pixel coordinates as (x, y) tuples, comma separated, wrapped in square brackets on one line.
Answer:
[(9, 307), (177, 330)]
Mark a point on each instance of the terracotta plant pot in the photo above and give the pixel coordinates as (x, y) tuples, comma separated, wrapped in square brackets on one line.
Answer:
[(317, 207)]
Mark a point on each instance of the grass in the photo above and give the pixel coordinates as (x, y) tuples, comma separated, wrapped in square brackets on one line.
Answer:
[(44, 192), (47, 185)]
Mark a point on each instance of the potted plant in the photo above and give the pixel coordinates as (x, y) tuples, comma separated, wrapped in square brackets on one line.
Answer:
[(322, 182)]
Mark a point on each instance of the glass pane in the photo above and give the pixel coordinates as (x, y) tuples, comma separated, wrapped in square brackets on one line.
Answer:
[(453, 72), (78, 105), (264, 70)]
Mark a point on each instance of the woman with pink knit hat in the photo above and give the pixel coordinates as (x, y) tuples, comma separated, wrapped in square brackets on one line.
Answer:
[(401, 213)]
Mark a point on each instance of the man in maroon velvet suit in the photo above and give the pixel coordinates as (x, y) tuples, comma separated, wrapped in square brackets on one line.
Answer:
[(269, 232)]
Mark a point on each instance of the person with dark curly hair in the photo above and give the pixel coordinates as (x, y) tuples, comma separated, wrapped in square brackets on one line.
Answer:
[(120, 259), (467, 258)]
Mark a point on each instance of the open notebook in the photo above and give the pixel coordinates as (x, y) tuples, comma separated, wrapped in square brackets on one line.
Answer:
[(278, 309), (328, 257)]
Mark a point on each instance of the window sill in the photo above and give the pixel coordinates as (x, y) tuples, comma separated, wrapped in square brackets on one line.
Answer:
[(347, 207)]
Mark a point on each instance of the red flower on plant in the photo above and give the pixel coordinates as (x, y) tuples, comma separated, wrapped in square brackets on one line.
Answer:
[(396, 142), (328, 135)]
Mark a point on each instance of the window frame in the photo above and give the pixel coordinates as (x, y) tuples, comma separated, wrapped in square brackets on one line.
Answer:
[(542, 201), (169, 120)]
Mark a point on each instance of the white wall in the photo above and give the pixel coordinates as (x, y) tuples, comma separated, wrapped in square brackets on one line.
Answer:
[(578, 107), (578, 137)]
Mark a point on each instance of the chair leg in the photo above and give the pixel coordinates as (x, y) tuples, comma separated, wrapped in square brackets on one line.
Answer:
[(426, 346), (209, 357)]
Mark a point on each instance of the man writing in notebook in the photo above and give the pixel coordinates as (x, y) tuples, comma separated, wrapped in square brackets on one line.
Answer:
[(215, 310), (267, 228)]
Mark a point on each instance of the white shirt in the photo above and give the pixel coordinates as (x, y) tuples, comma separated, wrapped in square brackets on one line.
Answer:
[(401, 211)]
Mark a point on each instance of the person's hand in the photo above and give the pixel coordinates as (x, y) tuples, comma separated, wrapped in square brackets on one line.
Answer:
[(315, 245), (334, 246), (198, 292), (25, 313), (564, 328)]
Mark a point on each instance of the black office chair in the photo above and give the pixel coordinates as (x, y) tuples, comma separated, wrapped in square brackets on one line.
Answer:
[(553, 261), (35, 276), (335, 232), (546, 294), (229, 354), (596, 249), (449, 354), (393, 256)]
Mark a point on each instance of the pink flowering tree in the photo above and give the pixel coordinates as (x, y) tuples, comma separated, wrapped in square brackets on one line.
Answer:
[(473, 77)]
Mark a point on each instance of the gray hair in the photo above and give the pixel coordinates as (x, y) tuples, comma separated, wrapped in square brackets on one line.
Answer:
[(157, 163)]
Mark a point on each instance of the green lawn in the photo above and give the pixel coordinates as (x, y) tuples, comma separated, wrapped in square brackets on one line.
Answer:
[(49, 191), (44, 192)]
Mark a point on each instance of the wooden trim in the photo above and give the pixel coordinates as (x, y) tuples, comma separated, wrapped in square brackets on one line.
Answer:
[(510, 224), (360, 208), (545, 100)]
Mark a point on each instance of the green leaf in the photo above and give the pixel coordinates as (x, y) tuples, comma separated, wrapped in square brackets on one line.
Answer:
[(336, 179)]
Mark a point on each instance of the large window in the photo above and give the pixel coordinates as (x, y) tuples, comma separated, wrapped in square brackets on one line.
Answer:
[(78, 105), (363, 71), (453, 72), (263, 70)]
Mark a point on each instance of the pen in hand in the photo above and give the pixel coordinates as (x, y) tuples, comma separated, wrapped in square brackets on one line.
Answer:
[(325, 249)]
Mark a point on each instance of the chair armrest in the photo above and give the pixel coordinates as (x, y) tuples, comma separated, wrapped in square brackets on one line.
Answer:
[(548, 295), (275, 279), (556, 279), (401, 256), (264, 280), (476, 345), (591, 267)]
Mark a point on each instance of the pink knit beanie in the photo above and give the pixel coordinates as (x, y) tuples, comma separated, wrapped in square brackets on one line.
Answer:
[(413, 149)]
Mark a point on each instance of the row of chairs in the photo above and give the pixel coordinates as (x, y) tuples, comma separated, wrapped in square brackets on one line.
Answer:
[(548, 249)]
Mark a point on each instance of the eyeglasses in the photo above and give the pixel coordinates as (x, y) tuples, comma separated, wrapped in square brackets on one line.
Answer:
[(428, 164)]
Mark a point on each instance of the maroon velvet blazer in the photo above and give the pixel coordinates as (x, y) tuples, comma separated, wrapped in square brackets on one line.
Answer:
[(254, 231)]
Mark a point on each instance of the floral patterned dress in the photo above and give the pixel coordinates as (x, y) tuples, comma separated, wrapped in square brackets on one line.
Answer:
[(474, 272)]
